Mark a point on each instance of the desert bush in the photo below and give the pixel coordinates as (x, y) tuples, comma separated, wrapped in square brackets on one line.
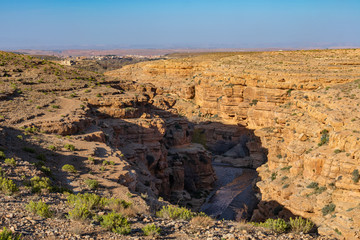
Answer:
[(201, 222), (324, 137), (39, 183), (300, 225), (151, 230), (313, 185), (31, 130), (69, 147), (355, 176), (121, 206), (91, 200), (7, 186), (92, 183), (328, 209), (40, 208), (41, 157), (46, 170), (115, 222), (273, 176), (10, 162), (6, 234), (79, 212), (29, 150), (278, 225), (175, 212), (52, 147), (69, 168), (2, 155)]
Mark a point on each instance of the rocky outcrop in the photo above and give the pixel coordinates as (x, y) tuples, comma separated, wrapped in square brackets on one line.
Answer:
[(303, 107)]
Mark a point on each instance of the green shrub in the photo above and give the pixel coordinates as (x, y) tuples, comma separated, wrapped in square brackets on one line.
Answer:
[(10, 162), (46, 170), (69, 168), (52, 147), (337, 231), (336, 151), (91, 159), (286, 168), (6, 234), (69, 147), (313, 185), (2, 155), (40, 208), (7, 186), (90, 200), (38, 183), (278, 225), (92, 183), (80, 212), (31, 130), (300, 225), (115, 222), (355, 176), (41, 157), (324, 137), (118, 204), (175, 212), (328, 209), (273, 176), (254, 102), (29, 150), (151, 230)]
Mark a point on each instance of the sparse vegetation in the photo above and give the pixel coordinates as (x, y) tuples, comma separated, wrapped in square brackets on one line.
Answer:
[(7, 186), (175, 212), (38, 184), (40, 208), (29, 150), (299, 225), (69, 168), (10, 162), (2, 155), (355, 176), (115, 222), (328, 209), (151, 230), (92, 183), (278, 225), (324, 137), (6, 234), (273, 176), (69, 147), (201, 222), (52, 147)]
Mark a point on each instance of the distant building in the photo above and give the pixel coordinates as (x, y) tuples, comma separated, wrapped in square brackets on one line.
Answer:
[(68, 62)]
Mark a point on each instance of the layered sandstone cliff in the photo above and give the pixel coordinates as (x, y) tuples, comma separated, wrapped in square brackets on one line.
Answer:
[(304, 107)]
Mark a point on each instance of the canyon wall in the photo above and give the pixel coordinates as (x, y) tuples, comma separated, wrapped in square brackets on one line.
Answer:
[(303, 105)]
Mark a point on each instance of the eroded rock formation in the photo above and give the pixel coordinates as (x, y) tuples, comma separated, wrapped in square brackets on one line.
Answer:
[(303, 106)]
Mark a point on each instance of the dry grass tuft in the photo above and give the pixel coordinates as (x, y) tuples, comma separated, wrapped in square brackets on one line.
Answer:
[(201, 222)]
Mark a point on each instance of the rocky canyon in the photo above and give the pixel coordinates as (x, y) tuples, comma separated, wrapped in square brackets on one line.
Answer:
[(245, 135)]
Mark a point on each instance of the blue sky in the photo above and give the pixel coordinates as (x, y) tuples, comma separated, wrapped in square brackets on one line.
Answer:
[(107, 24)]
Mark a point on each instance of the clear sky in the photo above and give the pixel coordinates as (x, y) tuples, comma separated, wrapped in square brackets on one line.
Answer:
[(60, 24)]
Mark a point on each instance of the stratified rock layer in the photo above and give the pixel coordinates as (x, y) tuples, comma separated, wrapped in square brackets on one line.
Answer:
[(304, 107)]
